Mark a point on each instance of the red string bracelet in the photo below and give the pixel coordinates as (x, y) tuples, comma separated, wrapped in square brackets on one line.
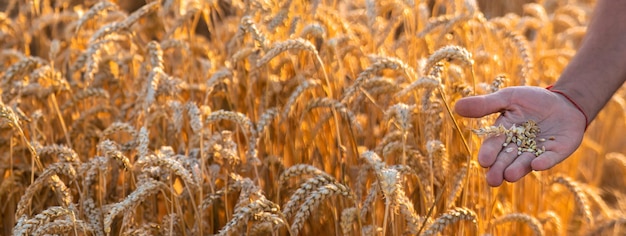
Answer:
[(572, 101)]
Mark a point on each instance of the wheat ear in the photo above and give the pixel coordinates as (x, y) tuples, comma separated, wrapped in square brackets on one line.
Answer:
[(302, 87), (63, 227), (94, 11), (63, 153), (449, 218), (147, 188), (245, 212), (85, 94), (305, 189), (601, 228), (298, 44), (579, 196), (111, 150), (450, 52), (348, 217), (380, 64), (46, 175), (313, 201), (529, 220), (43, 218)]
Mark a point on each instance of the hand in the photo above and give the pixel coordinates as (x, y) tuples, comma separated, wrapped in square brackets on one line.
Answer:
[(562, 126)]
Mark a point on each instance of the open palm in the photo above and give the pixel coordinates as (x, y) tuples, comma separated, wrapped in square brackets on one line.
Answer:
[(562, 126)]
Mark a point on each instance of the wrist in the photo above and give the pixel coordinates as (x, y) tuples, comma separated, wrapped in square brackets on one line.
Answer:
[(571, 101)]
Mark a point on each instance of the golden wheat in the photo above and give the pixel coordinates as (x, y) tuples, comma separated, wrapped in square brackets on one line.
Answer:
[(187, 118)]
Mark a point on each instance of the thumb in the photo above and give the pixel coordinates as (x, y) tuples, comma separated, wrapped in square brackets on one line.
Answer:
[(479, 106)]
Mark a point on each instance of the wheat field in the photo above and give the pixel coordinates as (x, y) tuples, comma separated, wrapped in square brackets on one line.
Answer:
[(182, 117)]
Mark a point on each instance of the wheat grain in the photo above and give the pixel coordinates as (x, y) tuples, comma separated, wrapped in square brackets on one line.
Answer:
[(84, 94)]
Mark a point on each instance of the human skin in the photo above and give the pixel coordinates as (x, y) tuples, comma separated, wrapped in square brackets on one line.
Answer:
[(590, 80)]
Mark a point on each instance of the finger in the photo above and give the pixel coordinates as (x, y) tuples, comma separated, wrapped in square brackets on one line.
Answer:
[(546, 160), (495, 175), (520, 167), (479, 106), (489, 150)]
